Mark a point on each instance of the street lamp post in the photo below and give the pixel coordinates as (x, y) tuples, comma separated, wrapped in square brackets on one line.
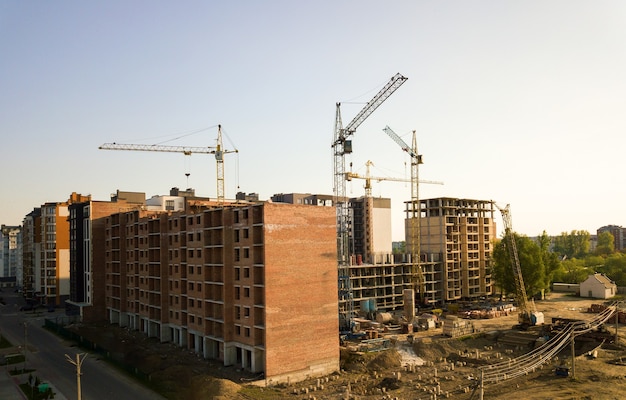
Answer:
[(78, 363), (25, 343)]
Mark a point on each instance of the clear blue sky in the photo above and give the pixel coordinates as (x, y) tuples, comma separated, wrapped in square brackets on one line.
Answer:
[(518, 102)]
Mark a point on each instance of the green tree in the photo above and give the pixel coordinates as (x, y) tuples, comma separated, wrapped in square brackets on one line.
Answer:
[(572, 271), (606, 243), (573, 244), (532, 260)]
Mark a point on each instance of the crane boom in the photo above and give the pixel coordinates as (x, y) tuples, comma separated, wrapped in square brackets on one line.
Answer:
[(368, 179), (186, 150), (396, 81)]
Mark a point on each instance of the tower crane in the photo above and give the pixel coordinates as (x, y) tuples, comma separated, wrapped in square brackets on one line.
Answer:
[(218, 151), (413, 213), (368, 179), (341, 146), (528, 314)]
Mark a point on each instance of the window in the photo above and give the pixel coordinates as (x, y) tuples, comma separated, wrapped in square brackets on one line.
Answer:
[(237, 312), (247, 332), (246, 312), (237, 330), (246, 292), (236, 231), (246, 272), (237, 293), (191, 269), (237, 274), (246, 233), (246, 253), (237, 256)]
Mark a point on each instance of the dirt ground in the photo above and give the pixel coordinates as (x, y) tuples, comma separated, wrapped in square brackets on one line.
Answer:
[(450, 368)]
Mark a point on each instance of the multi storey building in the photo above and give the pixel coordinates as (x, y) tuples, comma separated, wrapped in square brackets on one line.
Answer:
[(86, 256), (46, 252), (459, 233), (11, 254), (619, 235), (244, 283), (31, 251)]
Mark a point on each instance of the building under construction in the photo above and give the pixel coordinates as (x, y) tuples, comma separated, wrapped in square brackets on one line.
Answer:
[(251, 284)]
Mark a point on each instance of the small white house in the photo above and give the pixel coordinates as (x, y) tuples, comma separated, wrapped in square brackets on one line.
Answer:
[(598, 286)]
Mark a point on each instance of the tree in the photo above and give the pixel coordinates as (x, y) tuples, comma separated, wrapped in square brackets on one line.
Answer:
[(574, 244), (606, 243), (533, 263)]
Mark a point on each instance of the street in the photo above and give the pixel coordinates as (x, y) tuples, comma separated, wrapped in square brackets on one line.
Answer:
[(46, 354)]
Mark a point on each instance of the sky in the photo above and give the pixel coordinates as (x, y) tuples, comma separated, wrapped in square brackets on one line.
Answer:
[(519, 102)]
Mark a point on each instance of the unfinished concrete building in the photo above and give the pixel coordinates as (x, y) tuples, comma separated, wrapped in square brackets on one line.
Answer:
[(247, 284), (458, 234)]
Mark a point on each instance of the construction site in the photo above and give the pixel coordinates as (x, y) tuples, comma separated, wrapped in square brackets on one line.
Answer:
[(302, 295)]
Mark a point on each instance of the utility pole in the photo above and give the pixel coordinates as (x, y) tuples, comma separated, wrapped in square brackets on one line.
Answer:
[(78, 363)]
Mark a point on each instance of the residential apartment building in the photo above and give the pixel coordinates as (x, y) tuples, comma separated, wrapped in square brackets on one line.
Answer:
[(86, 244), (46, 252), (244, 283), (31, 251), (11, 254), (459, 234), (619, 235)]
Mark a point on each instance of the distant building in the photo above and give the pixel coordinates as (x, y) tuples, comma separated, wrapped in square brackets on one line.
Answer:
[(11, 253), (31, 251), (619, 235), (247, 197), (598, 286)]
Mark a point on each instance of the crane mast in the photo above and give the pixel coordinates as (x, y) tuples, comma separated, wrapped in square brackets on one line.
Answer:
[(186, 150), (414, 215), (341, 146)]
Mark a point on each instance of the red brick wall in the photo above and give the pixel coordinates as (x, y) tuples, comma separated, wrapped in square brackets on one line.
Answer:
[(301, 315)]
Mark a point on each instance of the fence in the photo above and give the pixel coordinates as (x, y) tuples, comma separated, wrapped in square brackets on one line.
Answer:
[(57, 325)]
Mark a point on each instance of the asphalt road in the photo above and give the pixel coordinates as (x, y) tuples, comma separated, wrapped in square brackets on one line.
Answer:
[(46, 353)]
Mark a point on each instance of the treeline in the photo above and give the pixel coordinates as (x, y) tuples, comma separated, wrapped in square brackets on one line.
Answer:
[(566, 258)]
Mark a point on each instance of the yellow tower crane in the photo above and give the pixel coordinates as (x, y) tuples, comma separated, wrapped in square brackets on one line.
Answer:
[(368, 179), (413, 213), (218, 151)]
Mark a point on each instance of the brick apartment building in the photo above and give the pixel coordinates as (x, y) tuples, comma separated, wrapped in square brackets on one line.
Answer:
[(250, 284)]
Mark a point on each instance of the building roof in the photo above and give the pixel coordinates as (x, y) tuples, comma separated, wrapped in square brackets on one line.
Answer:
[(603, 279)]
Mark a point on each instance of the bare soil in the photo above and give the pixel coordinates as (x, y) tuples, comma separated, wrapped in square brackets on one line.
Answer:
[(450, 365)]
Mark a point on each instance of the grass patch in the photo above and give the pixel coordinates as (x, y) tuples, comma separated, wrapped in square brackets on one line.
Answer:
[(261, 393), (33, 392)]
